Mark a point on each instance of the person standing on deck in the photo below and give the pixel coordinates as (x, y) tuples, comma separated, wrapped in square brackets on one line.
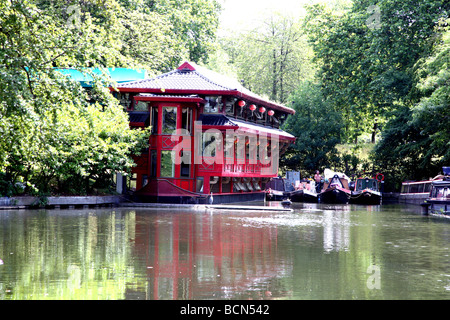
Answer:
[(318, 179)]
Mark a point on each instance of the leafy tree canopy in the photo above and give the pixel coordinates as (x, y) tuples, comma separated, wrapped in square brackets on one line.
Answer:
[(317, 129), (56, 136)]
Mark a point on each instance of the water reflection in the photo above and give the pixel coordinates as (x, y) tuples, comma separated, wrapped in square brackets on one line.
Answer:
[(336, 233), (206, 256), (316, 252)]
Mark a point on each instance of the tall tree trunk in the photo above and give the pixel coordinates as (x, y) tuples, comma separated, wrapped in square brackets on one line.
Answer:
[(274, 75)]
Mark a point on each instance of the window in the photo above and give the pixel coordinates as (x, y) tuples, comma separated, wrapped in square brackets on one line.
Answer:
[(141, 106), (167, 165), (404, 188), (125, 100), (185, 168), (132, 182), (144, 180), (229, 107), (199, 184), (239, 148), (153, 166), (210, 144), (213, 104), (154, 119), (169, 120), (186, 119)]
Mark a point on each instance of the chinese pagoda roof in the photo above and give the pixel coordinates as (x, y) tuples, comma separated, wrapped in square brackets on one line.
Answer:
[(189, 78)]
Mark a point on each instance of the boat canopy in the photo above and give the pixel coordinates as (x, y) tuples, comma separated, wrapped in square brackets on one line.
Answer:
[(329, 174)]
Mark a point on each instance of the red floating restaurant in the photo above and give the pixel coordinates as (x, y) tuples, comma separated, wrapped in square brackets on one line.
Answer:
[(208, 135)]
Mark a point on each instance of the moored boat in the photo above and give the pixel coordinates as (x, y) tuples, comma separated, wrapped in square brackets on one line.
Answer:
[(304, 195), (415, 192), (438, 201), (276, 189), (335, 189), (366, 192)]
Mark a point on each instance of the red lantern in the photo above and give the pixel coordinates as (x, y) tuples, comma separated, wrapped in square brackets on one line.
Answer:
[(252, 107), (271, 112), (241, 103), (262, 110)]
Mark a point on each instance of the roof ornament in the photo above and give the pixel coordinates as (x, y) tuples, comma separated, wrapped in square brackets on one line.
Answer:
[(186, 67)]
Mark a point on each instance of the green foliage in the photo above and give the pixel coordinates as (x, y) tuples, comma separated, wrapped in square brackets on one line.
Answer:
[(192, 23), (433, 111), (388, 73), (272, 59), (147, 39), (56, 136), (51, 132), (416, 140), (366, 69), (399, 153), (317, 128)]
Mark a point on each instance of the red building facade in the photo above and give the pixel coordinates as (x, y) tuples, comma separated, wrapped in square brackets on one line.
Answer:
[(209, 134)]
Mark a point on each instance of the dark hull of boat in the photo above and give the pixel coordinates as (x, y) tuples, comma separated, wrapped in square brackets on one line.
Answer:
[(275, 196), (365, 197), (437, 206), (334, 196), (301, 196)]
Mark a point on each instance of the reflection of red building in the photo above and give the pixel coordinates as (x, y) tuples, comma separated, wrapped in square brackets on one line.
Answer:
[(209, 134), (191, 256)]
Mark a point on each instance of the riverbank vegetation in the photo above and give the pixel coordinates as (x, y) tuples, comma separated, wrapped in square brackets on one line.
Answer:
[(369, 81), (57, 137)]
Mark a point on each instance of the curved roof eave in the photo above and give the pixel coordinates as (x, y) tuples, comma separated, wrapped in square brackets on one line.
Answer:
[(190, 78)]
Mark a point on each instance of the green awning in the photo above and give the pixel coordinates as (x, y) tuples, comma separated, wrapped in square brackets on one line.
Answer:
[(119, 75)]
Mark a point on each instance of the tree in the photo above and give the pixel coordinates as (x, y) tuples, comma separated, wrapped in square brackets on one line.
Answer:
[(51, 131), (415, 143), (433, 110), (317, 129), (368, 69), (194, 24), (148, 39), (272, 59)]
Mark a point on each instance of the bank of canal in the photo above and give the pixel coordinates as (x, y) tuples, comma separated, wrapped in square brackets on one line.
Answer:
[(314, 252)]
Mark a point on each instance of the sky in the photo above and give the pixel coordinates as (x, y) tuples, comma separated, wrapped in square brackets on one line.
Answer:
[(241, 14)]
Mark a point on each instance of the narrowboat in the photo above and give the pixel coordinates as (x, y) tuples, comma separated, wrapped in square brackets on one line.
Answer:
[(335, 189), (304, 195), (415, 192), (208, 134), (306, 192), (278, 189), (366, 191), (438, 201)]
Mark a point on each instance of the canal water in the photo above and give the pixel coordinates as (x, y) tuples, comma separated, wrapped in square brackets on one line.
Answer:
[(315, 252)]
